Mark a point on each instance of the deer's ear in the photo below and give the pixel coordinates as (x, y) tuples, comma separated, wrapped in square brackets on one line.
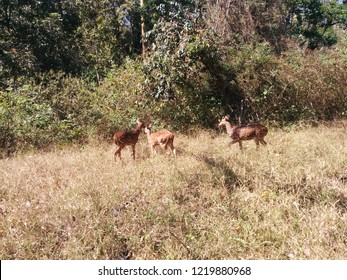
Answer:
[(227, 117)]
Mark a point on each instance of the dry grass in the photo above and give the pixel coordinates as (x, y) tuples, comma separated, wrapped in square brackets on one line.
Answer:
[(285, 201)]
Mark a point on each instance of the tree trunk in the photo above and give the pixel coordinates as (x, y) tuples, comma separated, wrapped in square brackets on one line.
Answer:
[(143, 31)]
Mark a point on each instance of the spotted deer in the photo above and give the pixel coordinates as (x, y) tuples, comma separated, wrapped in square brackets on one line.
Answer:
[(162, 138), (239, 133), (124, 138)]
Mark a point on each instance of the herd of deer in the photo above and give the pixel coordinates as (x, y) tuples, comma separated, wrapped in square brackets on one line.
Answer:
[(165, 138)]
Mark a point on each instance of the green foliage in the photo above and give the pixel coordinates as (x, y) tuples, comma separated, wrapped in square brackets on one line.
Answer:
[(71, 70), (120, 99), (101, 37), (294, 87), (184, 70), (24, 121), (76, 37), (38, 36), (7, 133), (168, 63), (58, 110), (312, 22), (155, 10)]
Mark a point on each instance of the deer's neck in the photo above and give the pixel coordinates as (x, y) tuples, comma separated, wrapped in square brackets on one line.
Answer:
[(138, 128), (148, 133), (230, 128)]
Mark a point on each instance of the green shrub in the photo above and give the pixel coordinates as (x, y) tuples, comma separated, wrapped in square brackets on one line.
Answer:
[(120, 99), (295, 86), (58, 109), (24, 122)]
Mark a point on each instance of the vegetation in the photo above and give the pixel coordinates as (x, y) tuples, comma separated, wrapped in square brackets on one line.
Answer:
[(72, 71), (285, 201)]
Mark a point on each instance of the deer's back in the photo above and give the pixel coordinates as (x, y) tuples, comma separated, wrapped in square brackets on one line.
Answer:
[(249, 132), (125, 137), (261, 130), (161, 136)]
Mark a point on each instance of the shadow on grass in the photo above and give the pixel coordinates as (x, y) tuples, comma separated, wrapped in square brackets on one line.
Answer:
[(229, 179)]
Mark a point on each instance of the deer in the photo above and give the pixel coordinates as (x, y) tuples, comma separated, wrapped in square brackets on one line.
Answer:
[(162, 138), (124, 138), (239, 133)]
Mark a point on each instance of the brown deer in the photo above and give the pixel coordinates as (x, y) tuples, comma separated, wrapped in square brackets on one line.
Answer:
[(239, 133), (124, 138), (163, 138)]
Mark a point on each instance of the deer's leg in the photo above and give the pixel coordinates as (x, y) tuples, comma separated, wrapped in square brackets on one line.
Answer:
[(233, 141), (163, 146), (173, 150), (240, 144), (153, 151), (117, 152), (167, 144), (262, 141), (163, 143), (133, 151), (257, 142)]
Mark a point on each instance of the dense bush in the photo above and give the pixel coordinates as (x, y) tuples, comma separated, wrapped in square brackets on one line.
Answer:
[(278, 89), (57, 110), (196, 65), (24, 121), (124, 96), (294, 86), (120, 100)]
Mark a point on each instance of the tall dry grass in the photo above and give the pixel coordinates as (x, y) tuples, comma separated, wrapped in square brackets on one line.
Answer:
[(285, 201)]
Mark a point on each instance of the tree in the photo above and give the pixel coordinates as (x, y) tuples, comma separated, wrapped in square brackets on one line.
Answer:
[(237, 22), (168, 62), (76, 37), (37, 36), (313, 22), (186, 64)]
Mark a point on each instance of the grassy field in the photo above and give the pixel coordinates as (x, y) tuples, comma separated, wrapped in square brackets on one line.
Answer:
[(287, 200)]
